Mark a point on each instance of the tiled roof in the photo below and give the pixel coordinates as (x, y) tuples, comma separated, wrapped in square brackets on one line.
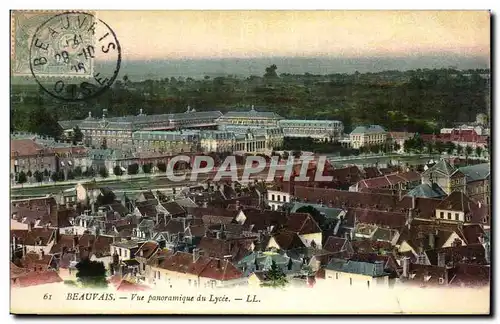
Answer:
[(371, 129), (471, 275), (37, 236), (218, 248), (476, 172), (173, 208), (335, 244), (251, 114), (472, 253), (147, 249), (442, 167), (355, 267), (375, 217), (371, 172), (288, 240), (261, 219), (457, 201), (428, 275), (35, 278), (125, 285), (25, 147), (425, 207), (302, 223), (424, 190)]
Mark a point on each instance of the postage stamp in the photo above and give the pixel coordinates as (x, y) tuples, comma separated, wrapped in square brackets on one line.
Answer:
[(60, 50)]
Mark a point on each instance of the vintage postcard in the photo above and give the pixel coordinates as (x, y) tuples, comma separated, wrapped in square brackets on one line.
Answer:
[(250, 162)]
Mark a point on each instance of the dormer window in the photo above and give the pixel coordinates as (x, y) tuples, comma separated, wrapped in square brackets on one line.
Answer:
[(485, 220), (467, 218), (441, 281)]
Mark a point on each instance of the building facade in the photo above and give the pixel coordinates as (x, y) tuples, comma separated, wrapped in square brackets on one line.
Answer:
[(363, 136), (117, 132), (250, 118), (323, 130), (171, 142)]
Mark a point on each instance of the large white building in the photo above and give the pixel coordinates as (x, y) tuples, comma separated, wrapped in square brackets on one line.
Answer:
[(317, 129), (363, 136)]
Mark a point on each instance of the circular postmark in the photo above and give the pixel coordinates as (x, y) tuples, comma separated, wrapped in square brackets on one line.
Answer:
[(74, 56)]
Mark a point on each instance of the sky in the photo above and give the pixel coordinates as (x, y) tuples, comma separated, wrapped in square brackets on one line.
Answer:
[(148, 35)]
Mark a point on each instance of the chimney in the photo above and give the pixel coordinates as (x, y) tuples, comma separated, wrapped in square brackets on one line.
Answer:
[(346, 235), (24, 251), (30, 226), (183, 220), (441, 260), (219, 264), (42, 254), (196, 254), (205, 204), (413, 202), (75, 241), (218, 235), (406, 267)]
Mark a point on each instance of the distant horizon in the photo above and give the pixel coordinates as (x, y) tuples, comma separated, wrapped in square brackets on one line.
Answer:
[(140, 69)]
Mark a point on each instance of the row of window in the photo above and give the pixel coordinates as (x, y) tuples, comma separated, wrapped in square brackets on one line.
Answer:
[(278, 198)]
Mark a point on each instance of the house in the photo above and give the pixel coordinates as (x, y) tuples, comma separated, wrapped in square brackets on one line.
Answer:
[(338, 244), (363, 136), (285, 240), (425, 190), (193, 269), (458, 207), (470, 275), (125, 249), (397, 181), (446, 176), (422, 275), (478, 182), (358, 274), (36, 240), (306, 227), (144, 254), (35, 278), (276, 198)]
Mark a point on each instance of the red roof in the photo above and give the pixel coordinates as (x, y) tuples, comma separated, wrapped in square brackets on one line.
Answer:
[(25, 147), (125, 285), (35, 278)]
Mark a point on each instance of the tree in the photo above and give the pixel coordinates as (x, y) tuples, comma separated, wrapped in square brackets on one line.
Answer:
[(460, 149), (275, 277), (315, 214), (29, 174), (271, 72), (479, 151), (91, 274), (38, 176), (117, 170), (21, 177), (70, 175), (450, 148), (103, 172), (46, 173), (296, 154), (162, 167), (146, 168), (468, 150), (77, 135), (133, 168)]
